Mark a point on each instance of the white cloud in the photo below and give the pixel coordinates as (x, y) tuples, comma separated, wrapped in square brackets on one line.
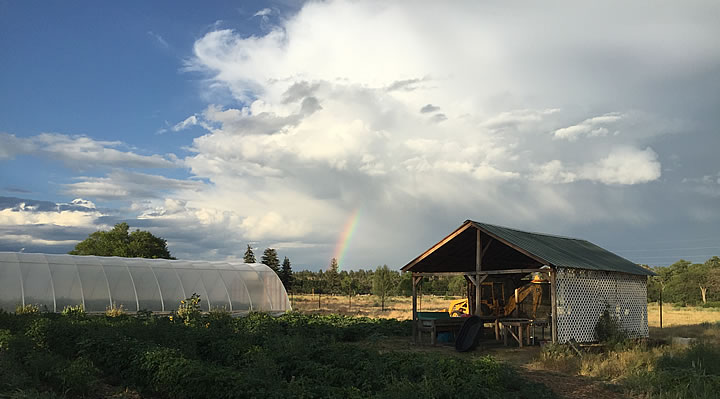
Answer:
[(591, 127), (27, 215), (263, 13), (191, 120), (625, 166), (360, 128), (123, 185), (554, 172), (80, 152)]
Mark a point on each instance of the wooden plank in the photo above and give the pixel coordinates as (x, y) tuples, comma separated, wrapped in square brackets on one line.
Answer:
[(553, 302), (442, 242)]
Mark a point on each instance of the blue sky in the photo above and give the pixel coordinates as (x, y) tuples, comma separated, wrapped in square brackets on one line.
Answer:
[(272, 123)]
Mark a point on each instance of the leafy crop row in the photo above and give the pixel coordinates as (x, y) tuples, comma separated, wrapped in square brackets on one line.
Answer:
[(217, 356)]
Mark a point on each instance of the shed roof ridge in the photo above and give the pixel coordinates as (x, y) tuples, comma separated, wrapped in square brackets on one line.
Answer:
[(528, 232)]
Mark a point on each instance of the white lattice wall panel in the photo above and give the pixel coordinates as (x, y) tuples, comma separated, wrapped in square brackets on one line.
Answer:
[(582, 296)]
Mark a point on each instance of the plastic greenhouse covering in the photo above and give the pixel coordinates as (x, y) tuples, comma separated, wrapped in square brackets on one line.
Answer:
[(55, 281)]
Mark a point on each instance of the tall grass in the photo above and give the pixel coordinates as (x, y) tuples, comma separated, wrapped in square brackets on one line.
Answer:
[(654, 368)]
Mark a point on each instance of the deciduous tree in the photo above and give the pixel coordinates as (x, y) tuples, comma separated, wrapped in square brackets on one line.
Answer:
[(383, 283), (120, 242)]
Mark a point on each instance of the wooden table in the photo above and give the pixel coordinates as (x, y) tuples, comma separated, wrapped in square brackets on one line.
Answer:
[(521, 326)]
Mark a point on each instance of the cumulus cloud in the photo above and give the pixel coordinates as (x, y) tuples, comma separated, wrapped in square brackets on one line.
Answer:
[(328, 117), (625, 166), (17, 212)]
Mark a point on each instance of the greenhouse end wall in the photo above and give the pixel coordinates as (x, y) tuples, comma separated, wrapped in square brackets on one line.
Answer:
[(55, 281)]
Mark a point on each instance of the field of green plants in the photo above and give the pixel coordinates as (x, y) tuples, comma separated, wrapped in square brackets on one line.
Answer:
[(213, 355)]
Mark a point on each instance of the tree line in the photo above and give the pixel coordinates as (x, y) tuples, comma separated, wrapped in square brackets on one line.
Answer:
[(687, 283)]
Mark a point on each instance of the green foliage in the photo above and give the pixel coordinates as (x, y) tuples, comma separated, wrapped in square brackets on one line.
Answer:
[(292, 355), (27, 309), (686, 283), (144, 314), (609, 329), (79, 377), (286, 274), (270, 259), (189, 309), (383, 283), (120, 242), (77, 311), (249, 256)]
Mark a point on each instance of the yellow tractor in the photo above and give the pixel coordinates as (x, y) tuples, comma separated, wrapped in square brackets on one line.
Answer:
[(460, 307)]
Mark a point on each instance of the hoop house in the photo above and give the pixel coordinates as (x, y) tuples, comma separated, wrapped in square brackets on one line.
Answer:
[(158, 285)]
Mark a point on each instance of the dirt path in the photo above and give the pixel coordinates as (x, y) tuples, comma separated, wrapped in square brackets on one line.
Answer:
[(572, 386)]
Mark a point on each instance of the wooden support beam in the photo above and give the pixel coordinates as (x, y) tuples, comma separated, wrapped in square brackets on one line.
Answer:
[(553, 302), (478, 268), (484, 251), (513, 271)]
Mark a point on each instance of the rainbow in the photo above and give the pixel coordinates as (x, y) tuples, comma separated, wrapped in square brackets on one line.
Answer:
[(345, 237)]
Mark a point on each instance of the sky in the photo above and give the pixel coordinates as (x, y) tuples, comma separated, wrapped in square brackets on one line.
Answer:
[(362, 130)]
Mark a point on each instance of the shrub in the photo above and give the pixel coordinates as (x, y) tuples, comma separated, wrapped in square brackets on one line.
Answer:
[(80, 376), (608, 329)]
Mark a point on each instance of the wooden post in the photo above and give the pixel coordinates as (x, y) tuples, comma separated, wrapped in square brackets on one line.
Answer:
[(517, 305), (478, 268), (661, 290), (553, 302), (415, 281)]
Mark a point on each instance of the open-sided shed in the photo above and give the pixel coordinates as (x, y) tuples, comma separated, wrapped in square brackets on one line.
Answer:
[(584, 279)]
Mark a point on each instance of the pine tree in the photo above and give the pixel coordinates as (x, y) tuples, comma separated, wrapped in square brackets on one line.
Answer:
[(249, 256), (333, 277), (270, 259), (286, 274)]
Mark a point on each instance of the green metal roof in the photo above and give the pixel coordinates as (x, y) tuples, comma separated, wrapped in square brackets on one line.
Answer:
[(563, 251)]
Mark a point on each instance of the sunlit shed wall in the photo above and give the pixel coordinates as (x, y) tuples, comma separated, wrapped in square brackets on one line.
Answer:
[(158, 285)]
